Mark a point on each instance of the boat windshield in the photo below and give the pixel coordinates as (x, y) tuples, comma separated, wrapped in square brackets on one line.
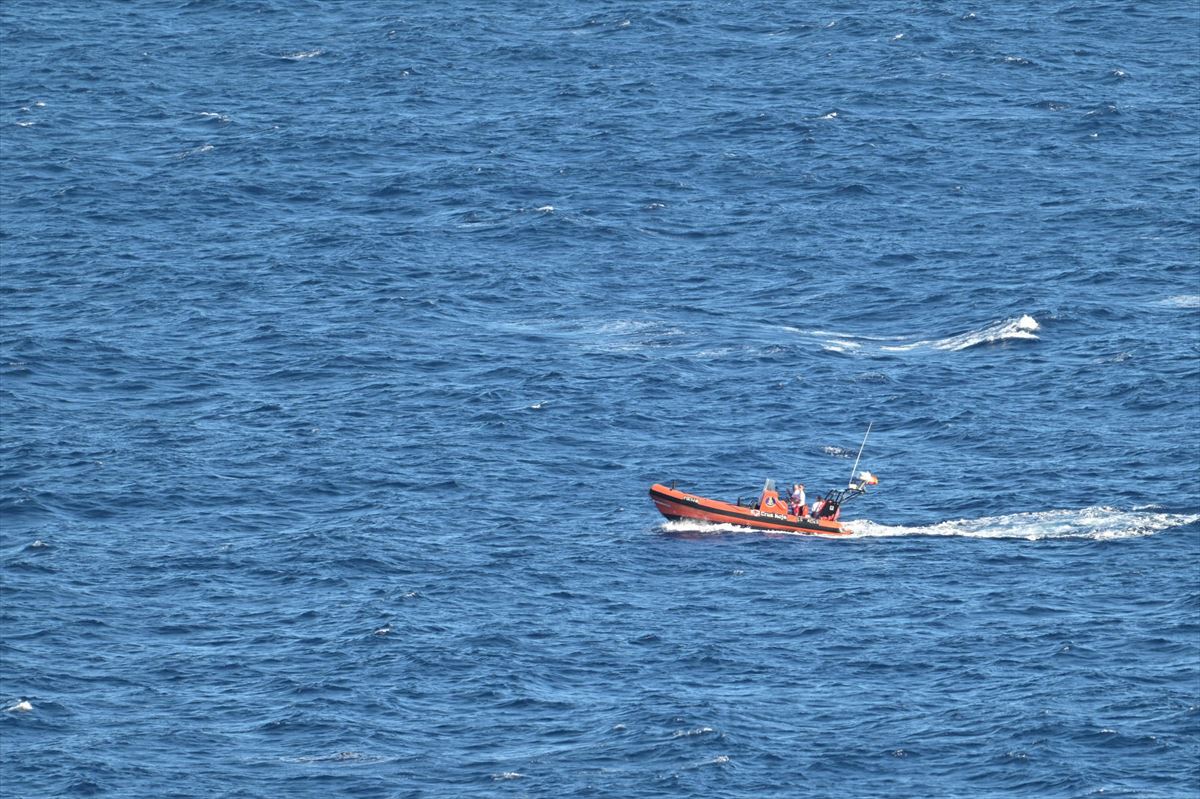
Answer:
[(770, 486)]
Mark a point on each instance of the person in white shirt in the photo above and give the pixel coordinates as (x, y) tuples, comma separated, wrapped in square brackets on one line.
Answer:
[(799, 506)]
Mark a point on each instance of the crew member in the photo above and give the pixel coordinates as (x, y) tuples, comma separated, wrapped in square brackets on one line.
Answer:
[(799, 504), (826, 509)]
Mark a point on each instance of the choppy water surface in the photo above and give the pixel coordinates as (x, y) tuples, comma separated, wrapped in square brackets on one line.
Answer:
[(341, 342)]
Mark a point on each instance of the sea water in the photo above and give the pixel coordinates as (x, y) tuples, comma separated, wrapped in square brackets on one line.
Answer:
[(342, 340)]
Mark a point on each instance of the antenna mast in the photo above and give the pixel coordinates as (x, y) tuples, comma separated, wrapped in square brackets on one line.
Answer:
[(860, 450)]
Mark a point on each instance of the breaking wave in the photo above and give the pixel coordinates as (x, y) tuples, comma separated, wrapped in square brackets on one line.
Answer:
[(1023, 327), (1018, 328)]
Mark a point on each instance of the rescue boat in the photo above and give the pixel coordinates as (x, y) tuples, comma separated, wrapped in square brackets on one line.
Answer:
[(767, 511)]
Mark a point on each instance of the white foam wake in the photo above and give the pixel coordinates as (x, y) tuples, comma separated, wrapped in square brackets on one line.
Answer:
[(1097, 523), (708, 528)]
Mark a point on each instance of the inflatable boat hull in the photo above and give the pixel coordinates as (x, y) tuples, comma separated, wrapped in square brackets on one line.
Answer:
[(679, 505)]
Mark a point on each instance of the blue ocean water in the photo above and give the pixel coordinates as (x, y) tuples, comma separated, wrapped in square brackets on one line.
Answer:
[(341, 342)]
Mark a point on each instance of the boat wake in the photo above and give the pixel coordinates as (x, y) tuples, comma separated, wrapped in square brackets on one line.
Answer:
[(1098, 523), (694, 528), (684, 527)]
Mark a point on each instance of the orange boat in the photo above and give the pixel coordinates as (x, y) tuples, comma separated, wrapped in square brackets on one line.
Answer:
[(768, 511)]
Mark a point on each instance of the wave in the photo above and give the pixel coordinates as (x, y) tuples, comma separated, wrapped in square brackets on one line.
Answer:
[(203, 148), (1183, 301), (339, 757), (1098, 523), (300, 56), (841, 345), (1022, 327), (838, 452)]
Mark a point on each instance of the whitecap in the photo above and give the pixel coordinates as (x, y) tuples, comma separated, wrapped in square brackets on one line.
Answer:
[(338, 757), (20, 707), (545, 209), (204, 148), (300, 56), (630, 326), (837, 452), (1183, 301), (713, 354), (1022, 327), (222, 118), (695, 731), (904, 347), (841, 346), (830, 115), (24, 124), (897, 37), (507, 775), (1098, 523)]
